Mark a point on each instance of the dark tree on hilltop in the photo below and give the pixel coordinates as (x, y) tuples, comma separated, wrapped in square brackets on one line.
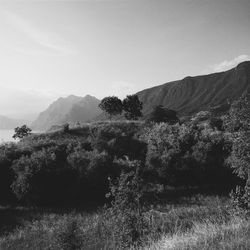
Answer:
[(161, 114), (21, 132), (111, 105), (132, 107)]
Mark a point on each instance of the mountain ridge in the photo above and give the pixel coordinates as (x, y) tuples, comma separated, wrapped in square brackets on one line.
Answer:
[(195, 93)]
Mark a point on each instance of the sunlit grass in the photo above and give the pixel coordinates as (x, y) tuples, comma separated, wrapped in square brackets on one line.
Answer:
[(232, 235), (198, 222)]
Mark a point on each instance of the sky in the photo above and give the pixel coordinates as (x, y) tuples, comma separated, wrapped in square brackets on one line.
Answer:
[(54, 48)]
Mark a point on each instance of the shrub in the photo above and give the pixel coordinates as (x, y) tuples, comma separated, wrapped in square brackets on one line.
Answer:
[(126, 211), (183, 155), (161, 114), (43, 177)]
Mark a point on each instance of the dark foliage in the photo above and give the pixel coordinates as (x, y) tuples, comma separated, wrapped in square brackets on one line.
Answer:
[(238, 123), (132, 107), (73, 167), (111, 105), (126, 210), (161, 114), (183, 155), (21, 132)]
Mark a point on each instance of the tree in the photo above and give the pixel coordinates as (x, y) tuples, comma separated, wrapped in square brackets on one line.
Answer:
[(238, 118), (161, 114), (21, 132), (132, 107), (238, 123), (111, 105), (126, 211), (66, 127)]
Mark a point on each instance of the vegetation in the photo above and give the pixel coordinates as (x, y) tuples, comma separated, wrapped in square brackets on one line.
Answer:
[(161, 114), (111, 105), (21, 132), (238, 122), (132, 184), (132, 107)]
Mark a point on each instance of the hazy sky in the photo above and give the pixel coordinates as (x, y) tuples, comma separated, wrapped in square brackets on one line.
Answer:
[(56, 48)]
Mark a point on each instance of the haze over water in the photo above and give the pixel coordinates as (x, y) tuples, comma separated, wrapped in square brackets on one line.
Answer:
[(6, 135)]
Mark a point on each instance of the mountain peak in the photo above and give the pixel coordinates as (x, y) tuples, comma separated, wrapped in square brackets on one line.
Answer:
[(68, 109)]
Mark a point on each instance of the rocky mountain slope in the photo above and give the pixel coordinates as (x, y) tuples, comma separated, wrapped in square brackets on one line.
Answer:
[(193, 94), (71, 109)]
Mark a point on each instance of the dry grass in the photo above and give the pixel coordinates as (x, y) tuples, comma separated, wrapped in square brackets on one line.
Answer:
[(193, 223), (232, 235)]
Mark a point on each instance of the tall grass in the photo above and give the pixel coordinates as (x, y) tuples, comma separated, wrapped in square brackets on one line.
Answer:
[(232, 235), (196, 223)]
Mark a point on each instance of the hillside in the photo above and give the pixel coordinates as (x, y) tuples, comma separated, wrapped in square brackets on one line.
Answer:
[(193, 94), (70, 109), (8, 123)]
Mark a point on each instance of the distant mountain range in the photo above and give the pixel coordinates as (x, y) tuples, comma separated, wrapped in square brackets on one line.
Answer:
[(8, 123), (70, 109), (187, 96)]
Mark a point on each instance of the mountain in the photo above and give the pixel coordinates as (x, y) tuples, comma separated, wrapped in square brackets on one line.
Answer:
[(193, 94), (8, 123), (70, 109), (187, 96)]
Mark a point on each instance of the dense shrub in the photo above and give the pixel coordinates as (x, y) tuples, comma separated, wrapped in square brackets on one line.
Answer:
[(238, 123), (126, 210), (185, 155), (74, 167), (43, 177), (161, 114), (6, 179)]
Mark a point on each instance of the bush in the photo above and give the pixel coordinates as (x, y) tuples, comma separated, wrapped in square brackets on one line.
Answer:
[(183, 155), (43, 177), (126, 211), (161, 114)]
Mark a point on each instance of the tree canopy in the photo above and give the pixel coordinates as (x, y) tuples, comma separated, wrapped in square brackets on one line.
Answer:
[(21, 132), (111, 105), (132, 107), (161, 114)]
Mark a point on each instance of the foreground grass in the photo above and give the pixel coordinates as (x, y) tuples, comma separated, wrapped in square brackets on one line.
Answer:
[(232, 235), (191, 223)]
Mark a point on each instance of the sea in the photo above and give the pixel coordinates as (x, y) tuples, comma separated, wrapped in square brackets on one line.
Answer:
[(6, 135)]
